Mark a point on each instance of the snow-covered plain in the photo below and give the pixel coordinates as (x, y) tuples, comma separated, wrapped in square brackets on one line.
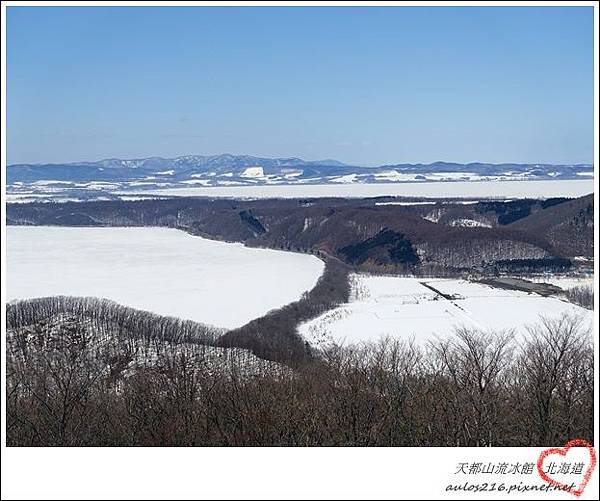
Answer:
[(162, 270), (442, 189), (253, 183), (404, 308)]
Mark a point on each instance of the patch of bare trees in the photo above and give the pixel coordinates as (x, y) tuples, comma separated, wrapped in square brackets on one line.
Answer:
[(70, 384), (582, 295), (109, 316)]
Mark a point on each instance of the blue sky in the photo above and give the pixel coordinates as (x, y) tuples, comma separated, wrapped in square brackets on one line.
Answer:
[(361, 85)]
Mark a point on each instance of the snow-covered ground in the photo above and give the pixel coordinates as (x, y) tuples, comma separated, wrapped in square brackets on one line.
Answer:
[(405, 308), (564, 282), (470, 223), (465, 189), (162, 270), (253, 172), (461, 202)]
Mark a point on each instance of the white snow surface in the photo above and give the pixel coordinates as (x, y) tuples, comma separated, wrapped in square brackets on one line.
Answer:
[(460, 189), (134, 198), (470, 223), (253, 172), (564, 282), (162, 270), (404, 308), (350, 178), (405, 203)]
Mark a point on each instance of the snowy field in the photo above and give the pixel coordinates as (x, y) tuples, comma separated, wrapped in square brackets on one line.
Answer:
[(406, 308), (465, 189), (564, 282), (162, 270)]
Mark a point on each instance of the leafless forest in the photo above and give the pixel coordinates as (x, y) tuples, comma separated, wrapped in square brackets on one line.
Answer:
[(581, 295), (83, 372)]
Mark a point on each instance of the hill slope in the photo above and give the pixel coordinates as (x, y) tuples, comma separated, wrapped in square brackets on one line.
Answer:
[(567, 227)]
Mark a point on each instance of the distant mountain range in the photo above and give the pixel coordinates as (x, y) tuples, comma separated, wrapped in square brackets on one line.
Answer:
[(110, 175), (178, 168)]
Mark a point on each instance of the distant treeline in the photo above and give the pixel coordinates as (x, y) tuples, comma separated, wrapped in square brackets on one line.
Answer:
[(547, 264), (68, 385)]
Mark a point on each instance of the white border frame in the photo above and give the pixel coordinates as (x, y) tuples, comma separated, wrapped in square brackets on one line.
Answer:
[(256, 473)]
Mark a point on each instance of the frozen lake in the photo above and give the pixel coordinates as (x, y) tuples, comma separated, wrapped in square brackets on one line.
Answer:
[(466, 189), (162, 270), (404, 307)]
